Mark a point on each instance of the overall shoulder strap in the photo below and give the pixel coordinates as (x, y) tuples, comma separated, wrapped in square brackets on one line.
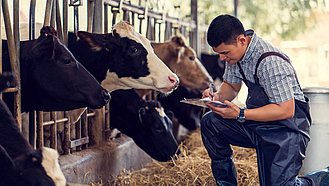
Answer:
[(264, 56), (241, 72)]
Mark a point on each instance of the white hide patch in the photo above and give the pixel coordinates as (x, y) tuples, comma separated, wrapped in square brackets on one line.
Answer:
[(159, 72), (160, 111), (51, 166)]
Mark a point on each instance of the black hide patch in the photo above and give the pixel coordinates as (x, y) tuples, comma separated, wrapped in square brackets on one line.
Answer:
[(102, 52), (129, 59)]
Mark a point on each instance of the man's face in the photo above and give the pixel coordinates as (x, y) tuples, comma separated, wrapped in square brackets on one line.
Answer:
[(232, 53)]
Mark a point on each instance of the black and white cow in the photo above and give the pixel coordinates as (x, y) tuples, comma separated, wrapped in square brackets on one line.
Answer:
[(21, 165), (123, 59), (51, 78), (188, 115), (145, 122)]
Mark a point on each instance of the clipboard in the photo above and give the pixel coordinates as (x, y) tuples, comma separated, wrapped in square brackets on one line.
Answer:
[(202, 102)]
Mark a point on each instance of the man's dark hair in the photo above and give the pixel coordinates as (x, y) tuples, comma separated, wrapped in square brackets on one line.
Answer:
[(224, 29)]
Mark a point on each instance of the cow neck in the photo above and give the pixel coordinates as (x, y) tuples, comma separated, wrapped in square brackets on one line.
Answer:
[(26, 67), (15, 143)]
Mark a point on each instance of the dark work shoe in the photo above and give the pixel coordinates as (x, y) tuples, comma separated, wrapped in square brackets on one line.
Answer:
[(224, 172), (318, 178)]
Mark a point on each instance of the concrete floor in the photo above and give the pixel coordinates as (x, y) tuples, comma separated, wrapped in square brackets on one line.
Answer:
[(102, 162)]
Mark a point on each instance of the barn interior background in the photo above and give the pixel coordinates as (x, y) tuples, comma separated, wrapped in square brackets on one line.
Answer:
[(299, 28)]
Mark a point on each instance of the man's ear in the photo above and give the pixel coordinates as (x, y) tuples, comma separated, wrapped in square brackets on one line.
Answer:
[(242, 39)]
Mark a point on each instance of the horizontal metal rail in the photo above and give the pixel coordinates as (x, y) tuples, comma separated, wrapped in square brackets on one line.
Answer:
[(150, 13)]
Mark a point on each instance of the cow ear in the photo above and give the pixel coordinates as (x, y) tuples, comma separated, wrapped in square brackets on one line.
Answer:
[(95, 42), (179, 40), (5, 161), (44, 46)]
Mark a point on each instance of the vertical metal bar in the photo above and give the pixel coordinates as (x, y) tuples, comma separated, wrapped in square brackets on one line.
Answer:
[(59, 22), (39, 143), (17, 107), (76, 18), (149, 28), (236, 2), (126, 16), (49, 4), (114, 15), (98, 17), (195, 37), (14, 61), (53, 14), (32, 20), (32, 113), (84, 127), (53, 131), (132, 18), (67, 142), (168, 30), (32, 128), (78, 132), (140, 25), (183, 30), (106, 19), (159, 32), (65, 20), (90, 8), (16, 26)]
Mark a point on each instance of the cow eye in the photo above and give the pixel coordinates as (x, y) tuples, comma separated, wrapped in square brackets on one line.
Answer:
[(66, 61), (192, 58), (133, 50)]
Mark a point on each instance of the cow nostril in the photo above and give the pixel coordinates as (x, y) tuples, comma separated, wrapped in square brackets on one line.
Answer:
[(106, 95), (172, 79)]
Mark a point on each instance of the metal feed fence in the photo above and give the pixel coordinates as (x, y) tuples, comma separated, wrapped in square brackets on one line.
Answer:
[(55, 129)]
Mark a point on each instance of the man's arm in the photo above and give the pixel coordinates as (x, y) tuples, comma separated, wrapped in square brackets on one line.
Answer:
[(270, 112)]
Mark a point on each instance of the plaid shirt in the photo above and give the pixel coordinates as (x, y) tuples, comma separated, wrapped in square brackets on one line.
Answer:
[(276, 75)]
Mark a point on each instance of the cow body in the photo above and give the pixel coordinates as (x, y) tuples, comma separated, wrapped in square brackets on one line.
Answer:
[(145, 122), (51, 78), (20, 163), (188, 115), (123, 59)]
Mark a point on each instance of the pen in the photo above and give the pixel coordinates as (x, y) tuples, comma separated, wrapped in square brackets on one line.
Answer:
[(212, 91)]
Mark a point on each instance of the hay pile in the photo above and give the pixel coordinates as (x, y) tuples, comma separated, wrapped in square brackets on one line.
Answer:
[(191, 167)]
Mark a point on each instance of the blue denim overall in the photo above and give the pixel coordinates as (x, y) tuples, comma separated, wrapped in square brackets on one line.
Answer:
[(280, 145)]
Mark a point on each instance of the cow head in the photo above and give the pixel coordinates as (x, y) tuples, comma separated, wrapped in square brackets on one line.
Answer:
[(131, 61), (145, 122), (182, 59), (29, 170), (157, 137), (53, 79)]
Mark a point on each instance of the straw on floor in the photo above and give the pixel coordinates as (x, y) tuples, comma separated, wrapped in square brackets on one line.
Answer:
[(191, 167)]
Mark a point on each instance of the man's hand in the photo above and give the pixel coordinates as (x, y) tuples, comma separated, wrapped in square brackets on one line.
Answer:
[(231, 111)]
